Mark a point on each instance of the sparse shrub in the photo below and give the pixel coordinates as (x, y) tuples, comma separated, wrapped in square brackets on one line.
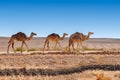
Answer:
[(19, 49), (66, 49), (85, 48), (77, 50), (57, 48), (32, 49)]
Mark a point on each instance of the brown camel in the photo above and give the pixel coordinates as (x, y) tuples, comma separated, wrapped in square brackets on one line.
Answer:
[(55, 38), (79, 38), (19, 37)]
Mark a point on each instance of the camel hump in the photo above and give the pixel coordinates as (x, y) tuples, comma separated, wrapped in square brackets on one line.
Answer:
[(20, 33), (53, 34), (79, 33), (20, 36)]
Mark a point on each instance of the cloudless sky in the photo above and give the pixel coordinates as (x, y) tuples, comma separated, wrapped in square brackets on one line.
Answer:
[(47, 16)]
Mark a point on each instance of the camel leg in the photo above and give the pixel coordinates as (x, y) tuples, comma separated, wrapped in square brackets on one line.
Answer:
[(21, 47), (44, 47), (81, 44), (70, 43), (73, 46), (55, 45), (48, 45), (60, 45), (68, 47), (78, 45), (46, 42), (13, 47), (8, 48), (26, 46)]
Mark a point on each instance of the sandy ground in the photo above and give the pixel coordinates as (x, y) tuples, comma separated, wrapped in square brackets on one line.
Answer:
[(57, 60), (69, 64), (59, 66)]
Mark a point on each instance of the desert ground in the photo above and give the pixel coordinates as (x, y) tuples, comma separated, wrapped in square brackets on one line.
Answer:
[(98, 56)]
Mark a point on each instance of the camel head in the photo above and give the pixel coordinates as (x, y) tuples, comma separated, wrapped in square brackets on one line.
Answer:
[(89, 33), (65, 34), (88, 36), (32, 33)]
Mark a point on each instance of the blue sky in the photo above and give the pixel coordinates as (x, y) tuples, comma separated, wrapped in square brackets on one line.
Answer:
[(47, 16)]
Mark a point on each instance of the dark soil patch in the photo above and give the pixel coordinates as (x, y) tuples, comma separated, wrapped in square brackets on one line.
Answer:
[(50, 72)]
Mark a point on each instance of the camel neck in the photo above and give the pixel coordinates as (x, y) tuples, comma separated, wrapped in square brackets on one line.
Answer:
[(62, 37), (30, 37), (88, 36)]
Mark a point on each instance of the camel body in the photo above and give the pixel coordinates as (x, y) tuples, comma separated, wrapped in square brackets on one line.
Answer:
[(55, 38), (79, 38), (20, 36)]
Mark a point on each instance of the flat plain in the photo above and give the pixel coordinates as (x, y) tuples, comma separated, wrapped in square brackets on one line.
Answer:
[(99, 55)]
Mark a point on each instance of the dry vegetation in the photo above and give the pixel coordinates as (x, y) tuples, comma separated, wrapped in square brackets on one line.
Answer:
[(98, 59), (87, 75), (59, 66)]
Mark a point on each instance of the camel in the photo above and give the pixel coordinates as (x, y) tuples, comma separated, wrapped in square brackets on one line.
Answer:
[(79, 38), (55, 38), (19, 37)]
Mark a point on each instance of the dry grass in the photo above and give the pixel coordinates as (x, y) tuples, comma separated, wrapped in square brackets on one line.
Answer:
[(69, 63), (87, 75), (65, 66), (55, 61), (19, 49)]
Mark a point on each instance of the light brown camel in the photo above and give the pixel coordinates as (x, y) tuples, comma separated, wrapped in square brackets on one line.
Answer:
[(19, 37), (55, 38), (79, 38)]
